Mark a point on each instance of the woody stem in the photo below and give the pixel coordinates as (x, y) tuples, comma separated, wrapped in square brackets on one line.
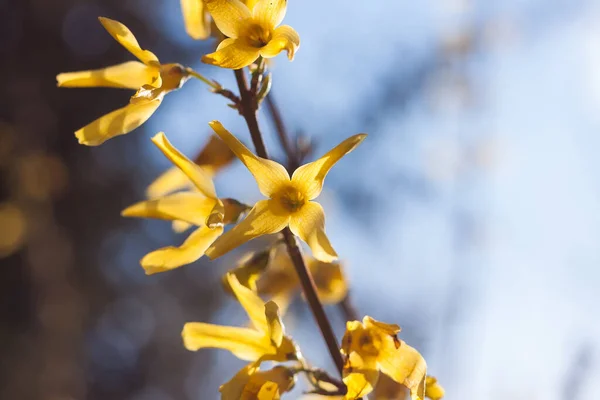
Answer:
[(248, 109)]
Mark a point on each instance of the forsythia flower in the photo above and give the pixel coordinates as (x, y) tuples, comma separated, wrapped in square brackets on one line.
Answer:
[(278, 280), (151, 79), (252, 32), (289, 201), (252, 384), (201, 208), (197, 18), (266, 342), (372, 347)]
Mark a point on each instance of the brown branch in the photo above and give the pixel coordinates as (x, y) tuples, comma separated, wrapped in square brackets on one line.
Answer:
[(282, 133), (248, 110)]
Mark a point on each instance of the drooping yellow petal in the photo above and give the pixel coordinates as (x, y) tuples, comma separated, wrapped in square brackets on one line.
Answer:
[(310, 176), (118, 122), (360, 376), (332, 286), (185, 206), (169, 181), (129, 75), (233, 389), (269, 13), (254, 306), (274, 324), (232, 54), (264, 218), (284, 38), (269, 175), (246, 344), (191, 250), (195, 19), (229, 15), (201, 180), (309, 224), (433, 389), (123, 35)]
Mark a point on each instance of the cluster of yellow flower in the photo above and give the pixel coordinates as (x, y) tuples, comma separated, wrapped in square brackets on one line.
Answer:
[(249, 31)]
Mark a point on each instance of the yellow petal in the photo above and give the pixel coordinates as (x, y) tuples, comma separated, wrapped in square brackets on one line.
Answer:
[(192, 249), (284, 38), (118, 122), (201, 180), (311, 176), (169, 181), (264, 218), (332, 286), (274, 324), (268, 391), (232, 54), (403, 364), (123, 35), (309, 224), (129, 75), (269, 175), (195, 19), (185, 206), (433, 389), (254, 306), (229, 15), (250, 3), (246, 344), (233, 389), (360, 376), (386, 329), (269, 13)]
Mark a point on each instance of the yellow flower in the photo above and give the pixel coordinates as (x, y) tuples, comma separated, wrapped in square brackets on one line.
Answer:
[(266, 342), (201, 208), (289, 201), (276, 277), (372, 347), (252, 384), (197, 18), (433, 389), (252, 31), (151, 79)]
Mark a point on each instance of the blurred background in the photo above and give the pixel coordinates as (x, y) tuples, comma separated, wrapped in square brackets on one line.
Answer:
[(470, 216)]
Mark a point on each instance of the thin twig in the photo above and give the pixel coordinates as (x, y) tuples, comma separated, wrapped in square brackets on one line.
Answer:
[(248, 110), (282, 133)]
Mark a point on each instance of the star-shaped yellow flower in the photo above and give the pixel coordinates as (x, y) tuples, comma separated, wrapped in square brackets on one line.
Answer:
[(372, 347), (201, 208), (252, 384), (266, 342), (151, 79), (252, 31), (290, 199)]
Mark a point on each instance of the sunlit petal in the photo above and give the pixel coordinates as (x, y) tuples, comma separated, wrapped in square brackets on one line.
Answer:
[(118, 122), (229, 15), (191, 207), (123, 35), (275, 326), (254, 306), (433, 389), (191, 250), (360, 376), (232, 54), (129, 75), (309, 224), (169, 181), (233, 389), (195, 19), (269, 13), (180, 226), (311, 176), (201, 180), (332, 286), (246, 344), (405, 365), (284, 38), (264, 218), (269, 175)]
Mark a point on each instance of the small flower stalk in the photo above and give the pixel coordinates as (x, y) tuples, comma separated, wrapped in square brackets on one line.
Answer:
[(371, 359)]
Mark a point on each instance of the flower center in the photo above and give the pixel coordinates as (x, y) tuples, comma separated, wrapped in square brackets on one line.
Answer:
[(291, 199), (256, 35)]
